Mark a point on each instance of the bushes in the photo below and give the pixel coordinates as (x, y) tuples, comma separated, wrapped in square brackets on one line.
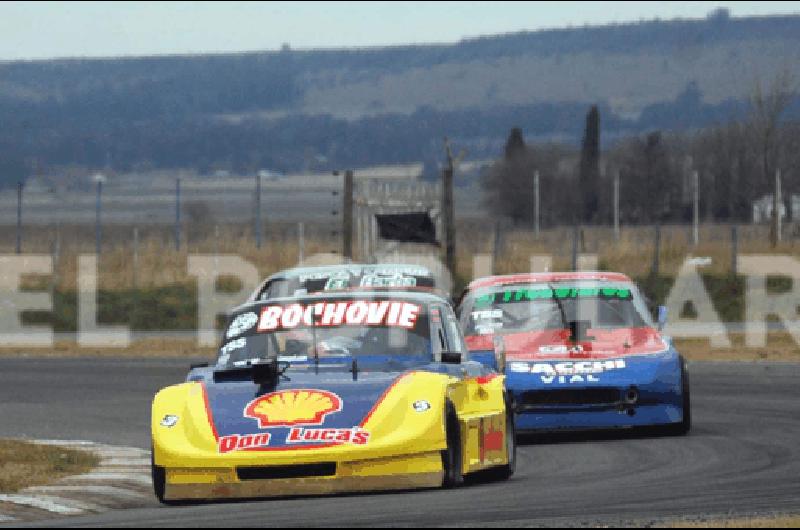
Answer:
[(164, 308), (174, 308), (727, 293)]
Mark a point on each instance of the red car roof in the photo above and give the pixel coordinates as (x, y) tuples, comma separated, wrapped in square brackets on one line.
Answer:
[(547, 277)]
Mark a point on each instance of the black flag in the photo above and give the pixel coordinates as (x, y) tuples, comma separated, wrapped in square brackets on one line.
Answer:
[(407, 227)]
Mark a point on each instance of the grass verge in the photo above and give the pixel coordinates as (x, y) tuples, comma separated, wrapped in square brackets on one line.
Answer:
[(25, 464), (779, 347)]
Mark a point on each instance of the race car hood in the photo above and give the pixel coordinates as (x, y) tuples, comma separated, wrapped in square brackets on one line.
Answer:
[(305, 410), (555, 344)]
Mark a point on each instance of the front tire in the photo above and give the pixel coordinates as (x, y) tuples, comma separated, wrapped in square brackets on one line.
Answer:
[(452, 461), (685, 425), (159, 476)]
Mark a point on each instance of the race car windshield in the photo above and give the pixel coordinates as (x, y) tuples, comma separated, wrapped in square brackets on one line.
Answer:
[(398, 277), (326, 331), (538, 307)]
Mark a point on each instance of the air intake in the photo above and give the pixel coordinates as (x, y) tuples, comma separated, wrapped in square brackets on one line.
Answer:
[(325, 469), (569, 397)]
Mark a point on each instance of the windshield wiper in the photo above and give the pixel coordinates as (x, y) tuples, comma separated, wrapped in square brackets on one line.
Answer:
[(316, 348), (560, 305)]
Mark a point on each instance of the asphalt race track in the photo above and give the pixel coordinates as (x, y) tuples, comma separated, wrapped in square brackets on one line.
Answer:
[(742, 458)]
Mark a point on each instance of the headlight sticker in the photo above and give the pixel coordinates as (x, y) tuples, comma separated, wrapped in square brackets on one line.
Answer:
[(234, 345), (421, 406), (169, 421)]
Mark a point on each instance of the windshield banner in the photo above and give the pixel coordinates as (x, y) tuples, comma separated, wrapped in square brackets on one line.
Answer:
[(349, 313)]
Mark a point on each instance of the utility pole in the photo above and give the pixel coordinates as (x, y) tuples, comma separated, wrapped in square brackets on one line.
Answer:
[(536, 204), (19, 218), (347, 216), (258, 210), (178, 214), (616, 205), (448, 208), (696, 208)]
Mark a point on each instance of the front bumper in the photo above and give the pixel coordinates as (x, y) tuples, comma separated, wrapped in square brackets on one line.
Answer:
[(406, 472), (645, 391), (638, 416)]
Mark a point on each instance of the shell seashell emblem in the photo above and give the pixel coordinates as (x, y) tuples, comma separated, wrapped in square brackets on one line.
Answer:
[(289, 408)]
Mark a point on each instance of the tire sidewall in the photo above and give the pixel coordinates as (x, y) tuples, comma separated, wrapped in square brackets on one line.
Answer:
[(451, 457), (687, 396), (511, 440)]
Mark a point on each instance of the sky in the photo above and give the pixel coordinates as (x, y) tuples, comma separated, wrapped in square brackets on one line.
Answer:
[(39, 30)]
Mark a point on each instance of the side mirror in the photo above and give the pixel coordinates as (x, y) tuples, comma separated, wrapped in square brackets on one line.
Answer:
[(451, 357), (500, 353), (198, 365), (663, 313)]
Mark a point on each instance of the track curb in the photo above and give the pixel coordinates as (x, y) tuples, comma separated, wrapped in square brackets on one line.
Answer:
[(121, 480)]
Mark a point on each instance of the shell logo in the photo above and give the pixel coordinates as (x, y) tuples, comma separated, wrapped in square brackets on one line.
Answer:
[(289, 408)]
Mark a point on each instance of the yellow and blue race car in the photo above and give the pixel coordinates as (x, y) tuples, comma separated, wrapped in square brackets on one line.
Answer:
[(333, 392)]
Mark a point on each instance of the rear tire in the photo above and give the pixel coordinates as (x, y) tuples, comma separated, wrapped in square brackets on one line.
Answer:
[(452, 461)]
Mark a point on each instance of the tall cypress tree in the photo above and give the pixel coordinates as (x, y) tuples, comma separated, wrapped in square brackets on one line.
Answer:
[(515, 145), (590, 167)]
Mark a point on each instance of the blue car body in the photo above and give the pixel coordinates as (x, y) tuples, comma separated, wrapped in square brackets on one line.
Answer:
[(631, 391)]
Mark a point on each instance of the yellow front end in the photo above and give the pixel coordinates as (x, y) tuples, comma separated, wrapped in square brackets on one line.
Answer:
[(404, 449)]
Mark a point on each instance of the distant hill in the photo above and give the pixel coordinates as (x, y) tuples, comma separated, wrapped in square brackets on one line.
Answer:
[(305, 110)]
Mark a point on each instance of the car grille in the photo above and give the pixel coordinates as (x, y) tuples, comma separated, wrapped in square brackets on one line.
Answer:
[(325, 469), (569, 397)]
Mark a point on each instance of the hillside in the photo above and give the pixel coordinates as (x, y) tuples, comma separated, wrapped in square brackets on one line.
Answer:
[(317, 109)]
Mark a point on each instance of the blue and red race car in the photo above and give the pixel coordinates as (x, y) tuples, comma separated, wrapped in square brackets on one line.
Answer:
[(579, 351)]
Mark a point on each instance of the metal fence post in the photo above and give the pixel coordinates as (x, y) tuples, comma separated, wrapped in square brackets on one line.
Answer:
[(575, 248), (258, 210), (178, 214), (536, 204), (497, 247), (301, 242), (347, 215), (734, 251), (656, 270), (135, 257), (778, 206), (98, 225), (19, 218), (616, 206), (696, 208)]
